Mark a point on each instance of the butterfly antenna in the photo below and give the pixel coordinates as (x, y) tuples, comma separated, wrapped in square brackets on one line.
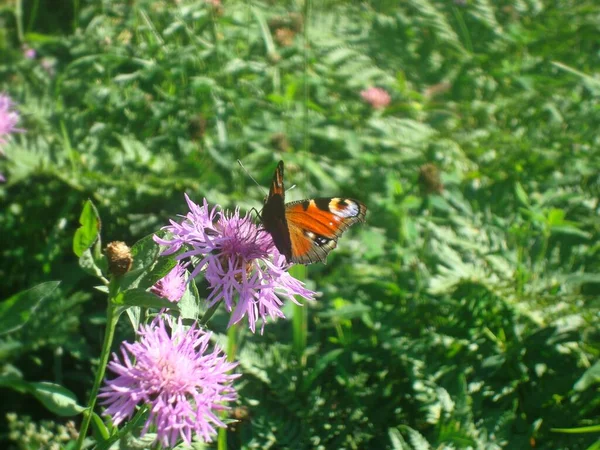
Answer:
[(252, 178), (293, 186)]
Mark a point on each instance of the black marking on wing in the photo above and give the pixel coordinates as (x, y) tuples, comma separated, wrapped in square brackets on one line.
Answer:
[(322, 203)]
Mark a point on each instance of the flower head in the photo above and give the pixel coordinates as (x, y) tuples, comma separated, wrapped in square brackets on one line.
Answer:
[(119, 258), (183, 384), (378, 98), (172, 285), (29, 53), (8, 118), (239, 261)]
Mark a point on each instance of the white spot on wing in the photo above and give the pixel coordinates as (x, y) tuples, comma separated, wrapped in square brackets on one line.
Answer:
[(350, 209)]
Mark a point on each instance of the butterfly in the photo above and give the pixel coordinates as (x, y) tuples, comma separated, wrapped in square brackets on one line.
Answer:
[(306, 231)]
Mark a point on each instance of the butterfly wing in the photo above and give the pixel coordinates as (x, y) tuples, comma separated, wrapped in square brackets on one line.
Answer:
[(273, 214), (315, 226)]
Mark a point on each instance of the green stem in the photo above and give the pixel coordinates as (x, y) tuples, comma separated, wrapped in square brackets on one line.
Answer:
[(112, 317), (75, 15), (19, 19), (305, 124), (300, 317), (131, 424), (232, 334)]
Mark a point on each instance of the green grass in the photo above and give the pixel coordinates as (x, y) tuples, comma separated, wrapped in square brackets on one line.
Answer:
[(466, 318)]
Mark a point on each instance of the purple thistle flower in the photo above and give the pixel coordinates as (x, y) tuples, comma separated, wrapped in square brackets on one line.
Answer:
[(8, 119), (183, 385), (239, 261), (172, 285)]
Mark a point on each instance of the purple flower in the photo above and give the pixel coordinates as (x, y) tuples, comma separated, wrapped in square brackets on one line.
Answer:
[(8, 119), (173, 373), (239, 261), (172, 285), (378, 98), (29, 52)]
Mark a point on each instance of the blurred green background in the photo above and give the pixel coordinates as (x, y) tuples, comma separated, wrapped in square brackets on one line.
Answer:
[(463, 314)]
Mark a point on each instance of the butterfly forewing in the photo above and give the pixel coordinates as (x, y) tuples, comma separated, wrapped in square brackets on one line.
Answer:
[(315, 225), (273, 214)]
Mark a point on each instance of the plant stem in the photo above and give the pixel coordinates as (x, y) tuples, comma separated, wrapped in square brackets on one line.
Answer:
[(300, 318), (231, 352), (112, 317), (19, 19)]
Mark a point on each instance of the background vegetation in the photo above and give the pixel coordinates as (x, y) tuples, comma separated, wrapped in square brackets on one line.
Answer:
[(464, 314)]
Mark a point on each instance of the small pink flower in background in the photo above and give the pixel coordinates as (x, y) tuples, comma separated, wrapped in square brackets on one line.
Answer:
[(29, 52), (172, 371), (378, 98), (2, 179), (48, 65), (171, 286), (8, 120), (239, 261)]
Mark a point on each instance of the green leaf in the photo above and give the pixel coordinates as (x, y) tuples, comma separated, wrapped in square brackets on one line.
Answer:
[(189, 304), (89, 231), (162, 267), (570, 230), (99, 427), (56, 398), (88, 264), (140, 297), (18, 309), (590, 429), (322, 364), (134, 313), (398, 442), (589, 378), (144, 252), (522, 195)]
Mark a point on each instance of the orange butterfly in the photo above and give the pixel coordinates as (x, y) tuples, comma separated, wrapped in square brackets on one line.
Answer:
[(307, 230)]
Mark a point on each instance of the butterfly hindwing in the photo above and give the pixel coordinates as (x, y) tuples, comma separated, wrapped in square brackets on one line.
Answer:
[(306, 231), (316, 224)]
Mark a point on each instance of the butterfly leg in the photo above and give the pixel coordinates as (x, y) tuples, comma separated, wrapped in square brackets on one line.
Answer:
[(257, 213)]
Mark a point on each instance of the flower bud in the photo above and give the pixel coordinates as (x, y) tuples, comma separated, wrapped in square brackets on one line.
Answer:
[(119, 258)]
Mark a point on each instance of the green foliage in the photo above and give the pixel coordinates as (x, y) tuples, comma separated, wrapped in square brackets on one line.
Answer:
[(462, 317), (17, 310)]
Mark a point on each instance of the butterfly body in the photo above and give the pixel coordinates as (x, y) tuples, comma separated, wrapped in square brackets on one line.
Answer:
[(306, 231)]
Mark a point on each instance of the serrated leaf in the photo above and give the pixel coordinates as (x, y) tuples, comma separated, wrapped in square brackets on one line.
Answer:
[(89, 231), (17, 310)]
